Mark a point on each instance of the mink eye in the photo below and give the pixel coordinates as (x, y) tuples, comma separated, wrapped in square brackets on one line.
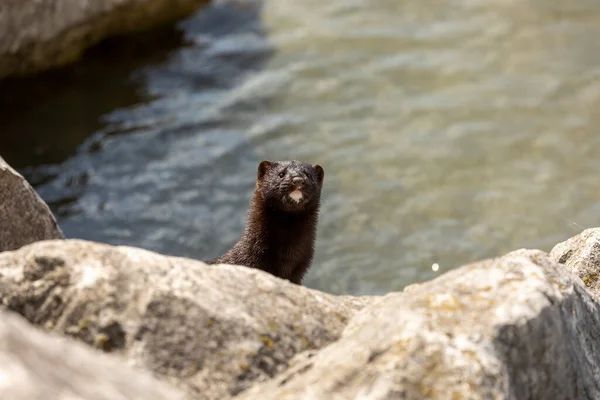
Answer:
[(281, 174)]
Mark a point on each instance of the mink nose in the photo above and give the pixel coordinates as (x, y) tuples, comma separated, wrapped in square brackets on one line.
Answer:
[(298, 180)]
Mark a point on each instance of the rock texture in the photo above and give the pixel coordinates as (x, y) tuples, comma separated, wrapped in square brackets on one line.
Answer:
[(213, 330), (39, 34), (516, 327), (522, 326), (581, 255), (24, 217), (38, 366)]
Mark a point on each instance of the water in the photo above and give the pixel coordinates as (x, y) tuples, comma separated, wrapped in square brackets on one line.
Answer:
[(449, 131)]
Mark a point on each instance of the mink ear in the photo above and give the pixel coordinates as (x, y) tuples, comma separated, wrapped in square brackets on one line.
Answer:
[(263, 167), (320, 172)]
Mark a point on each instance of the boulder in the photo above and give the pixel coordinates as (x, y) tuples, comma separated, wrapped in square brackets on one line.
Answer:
[(517, 327), (40, 34), (24, 217), (213, 330), (39, 366), (520, 326), (581, 255)]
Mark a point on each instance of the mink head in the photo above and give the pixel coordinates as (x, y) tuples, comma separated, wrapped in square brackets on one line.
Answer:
[(290, 186)]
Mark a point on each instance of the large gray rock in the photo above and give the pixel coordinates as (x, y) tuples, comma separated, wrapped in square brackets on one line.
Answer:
[(214, 330), (24, 217), (38, 366), (39, 34), (517, 327), (581, 255)]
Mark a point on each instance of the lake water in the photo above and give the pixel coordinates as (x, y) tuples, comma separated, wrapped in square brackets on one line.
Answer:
[(449, 131)]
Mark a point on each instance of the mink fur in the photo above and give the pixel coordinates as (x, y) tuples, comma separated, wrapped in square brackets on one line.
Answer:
[(280, 231)]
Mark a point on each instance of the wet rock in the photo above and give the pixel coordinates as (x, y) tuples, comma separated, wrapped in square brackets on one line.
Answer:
[(581, 255), (213, 330), (24, 217), (40, 34), (516, 327), (37, 366)]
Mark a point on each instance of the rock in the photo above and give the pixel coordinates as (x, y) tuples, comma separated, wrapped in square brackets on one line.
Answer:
[(39, 366), (516, 327), (24, 217), (581, 255), (519, 326), (213, 330), (40, 34)]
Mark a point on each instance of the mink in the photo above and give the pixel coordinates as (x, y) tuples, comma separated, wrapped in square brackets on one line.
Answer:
[(281, 225)]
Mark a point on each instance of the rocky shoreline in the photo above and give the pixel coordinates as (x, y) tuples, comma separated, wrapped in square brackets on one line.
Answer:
[(519, 326)]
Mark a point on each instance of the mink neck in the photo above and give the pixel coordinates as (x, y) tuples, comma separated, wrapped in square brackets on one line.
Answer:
[(269, 224)]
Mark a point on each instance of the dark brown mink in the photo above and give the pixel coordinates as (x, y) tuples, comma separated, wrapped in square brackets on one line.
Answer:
[(281, 226)]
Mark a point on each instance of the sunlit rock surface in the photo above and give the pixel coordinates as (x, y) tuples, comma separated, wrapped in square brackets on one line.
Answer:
[(213, 330), (39, 366)]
